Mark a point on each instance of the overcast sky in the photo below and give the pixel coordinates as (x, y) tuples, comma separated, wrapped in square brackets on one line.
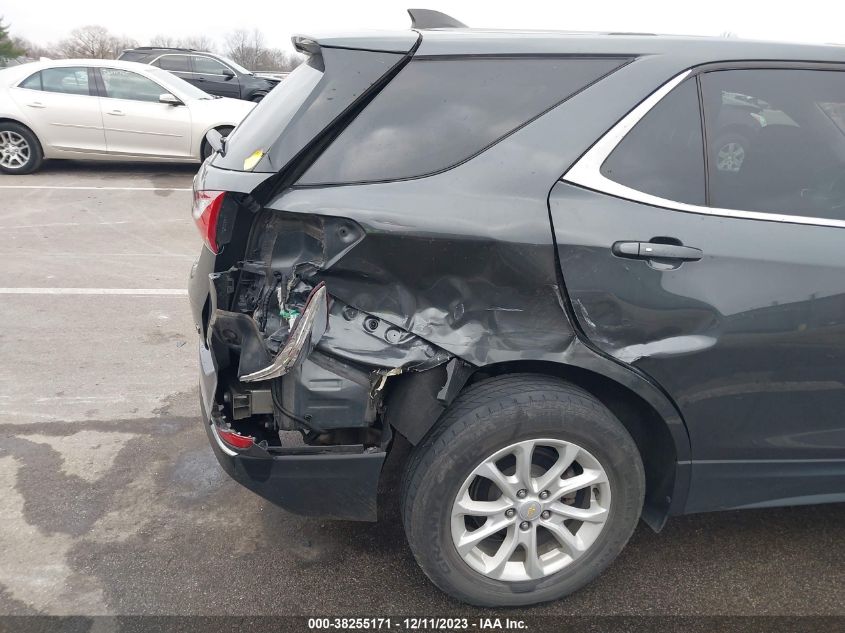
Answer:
[(49, 20)]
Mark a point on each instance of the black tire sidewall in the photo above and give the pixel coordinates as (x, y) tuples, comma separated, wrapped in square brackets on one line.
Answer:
[(499, 424), (36, 155)]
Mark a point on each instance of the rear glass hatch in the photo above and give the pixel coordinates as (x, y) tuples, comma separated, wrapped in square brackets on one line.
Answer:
[(329, 86)]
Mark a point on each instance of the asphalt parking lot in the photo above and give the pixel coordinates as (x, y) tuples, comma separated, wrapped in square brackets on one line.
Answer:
[(111, 501)]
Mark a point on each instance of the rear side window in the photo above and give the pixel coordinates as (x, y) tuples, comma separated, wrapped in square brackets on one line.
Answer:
[(439, 112), (776, 141), (663, 155), (174, 63), (72, 80), (33, 82)]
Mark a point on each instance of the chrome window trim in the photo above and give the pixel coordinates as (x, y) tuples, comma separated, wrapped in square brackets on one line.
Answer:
[(586, 172)]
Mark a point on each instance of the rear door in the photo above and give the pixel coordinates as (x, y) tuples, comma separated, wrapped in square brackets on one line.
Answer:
[(63, 107), (136, 123), (214, 77), (707, 251)]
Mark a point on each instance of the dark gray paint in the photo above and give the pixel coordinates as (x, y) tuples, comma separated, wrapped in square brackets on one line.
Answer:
[(465, 259)]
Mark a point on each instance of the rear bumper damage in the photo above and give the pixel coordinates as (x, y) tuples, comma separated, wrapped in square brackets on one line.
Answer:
[(293, 384), (339, 482)]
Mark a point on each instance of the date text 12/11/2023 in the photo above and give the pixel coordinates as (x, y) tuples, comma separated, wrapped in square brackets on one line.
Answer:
[(417, 624)]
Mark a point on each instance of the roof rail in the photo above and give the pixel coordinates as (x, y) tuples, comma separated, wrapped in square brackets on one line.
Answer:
[(163, 48), (429, 19)]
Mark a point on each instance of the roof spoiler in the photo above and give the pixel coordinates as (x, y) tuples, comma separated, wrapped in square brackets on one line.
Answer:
[(429, 19)]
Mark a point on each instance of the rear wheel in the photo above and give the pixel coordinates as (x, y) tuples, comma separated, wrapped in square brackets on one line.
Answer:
[(258, 96), (20, 151), (527, 489)]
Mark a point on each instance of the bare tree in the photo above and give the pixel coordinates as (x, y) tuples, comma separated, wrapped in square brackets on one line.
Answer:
[(199, 43), (94, 42), (31, 50), (167, 41), (277, 60), (246, 47)]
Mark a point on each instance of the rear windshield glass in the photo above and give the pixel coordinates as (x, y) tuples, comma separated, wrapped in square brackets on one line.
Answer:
[(437, 113), (303, 105), (263, 125)]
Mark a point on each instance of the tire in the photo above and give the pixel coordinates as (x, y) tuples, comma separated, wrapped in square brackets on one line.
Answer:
[(206, 148), (17, 141), (257, 97), (495, 415)]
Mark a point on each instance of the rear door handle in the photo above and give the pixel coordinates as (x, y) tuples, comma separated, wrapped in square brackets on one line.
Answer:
[(35, 104), (656, 250), (116, 112)]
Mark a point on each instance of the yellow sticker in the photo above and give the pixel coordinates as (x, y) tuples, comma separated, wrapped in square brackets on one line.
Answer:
[(252, 160)]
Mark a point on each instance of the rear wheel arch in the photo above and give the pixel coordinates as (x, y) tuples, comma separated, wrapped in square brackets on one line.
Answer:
[(660, 448)]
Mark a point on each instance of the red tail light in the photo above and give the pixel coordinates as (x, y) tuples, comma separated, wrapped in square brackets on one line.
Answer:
[(206, 210), (235, 440)]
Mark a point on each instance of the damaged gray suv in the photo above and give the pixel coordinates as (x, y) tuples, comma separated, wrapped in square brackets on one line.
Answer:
[(588, 279)]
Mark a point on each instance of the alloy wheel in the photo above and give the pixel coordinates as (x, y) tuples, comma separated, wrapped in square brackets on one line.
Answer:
[(14, 150), (730, 157), (530, 509)]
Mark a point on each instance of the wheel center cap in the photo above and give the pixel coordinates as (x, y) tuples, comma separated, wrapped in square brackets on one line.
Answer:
[(529, 510)]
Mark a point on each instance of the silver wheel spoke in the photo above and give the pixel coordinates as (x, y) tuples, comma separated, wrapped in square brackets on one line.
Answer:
[(554, 473), (589, 477), (594, 514), (495, 565), (571, 542), (523, 453), (490, 471), (471, 539), (481, 508), (533, 565)]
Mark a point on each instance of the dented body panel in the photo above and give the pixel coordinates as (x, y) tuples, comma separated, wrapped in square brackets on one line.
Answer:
[(428, 280)]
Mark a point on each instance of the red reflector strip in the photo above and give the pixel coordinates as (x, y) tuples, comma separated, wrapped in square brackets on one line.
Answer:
[(206, 210), (235, 440)]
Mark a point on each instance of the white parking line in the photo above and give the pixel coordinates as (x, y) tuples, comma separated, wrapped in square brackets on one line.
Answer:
[(96, 188), (55, 224), (163, 292)]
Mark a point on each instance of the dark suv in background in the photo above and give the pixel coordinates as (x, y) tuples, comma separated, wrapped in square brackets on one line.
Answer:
[(212, 73), (587, 278)]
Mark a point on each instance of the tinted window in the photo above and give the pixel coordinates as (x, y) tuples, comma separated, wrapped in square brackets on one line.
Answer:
[(72, 80), (664, 153), (208, 66), (33, 82), (776, 141), (437, 113), (174, 63), (124, 84)]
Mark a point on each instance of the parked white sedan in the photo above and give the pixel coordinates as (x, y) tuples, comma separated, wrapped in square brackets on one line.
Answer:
[(105, 110)]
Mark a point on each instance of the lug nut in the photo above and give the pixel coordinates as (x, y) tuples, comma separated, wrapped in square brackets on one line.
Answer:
[(545, 514), (544, 494), (510, 512), (524, 525), (521, 493)]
